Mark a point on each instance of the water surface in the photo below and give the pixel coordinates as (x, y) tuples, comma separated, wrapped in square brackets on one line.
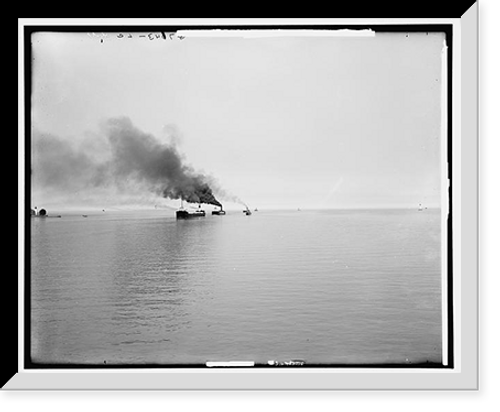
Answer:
[(348, 287)]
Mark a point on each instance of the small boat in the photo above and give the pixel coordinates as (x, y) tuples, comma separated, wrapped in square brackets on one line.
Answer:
[(42, 213), (85, 215), (247, 212)]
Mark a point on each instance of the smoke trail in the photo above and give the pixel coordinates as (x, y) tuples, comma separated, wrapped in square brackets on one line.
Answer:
[(132, 156), (56, 164)]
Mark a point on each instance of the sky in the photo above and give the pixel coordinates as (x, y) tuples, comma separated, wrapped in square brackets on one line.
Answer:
[(277, 122)]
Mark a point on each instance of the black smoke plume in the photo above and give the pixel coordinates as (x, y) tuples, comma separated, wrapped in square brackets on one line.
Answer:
[(128, 155)]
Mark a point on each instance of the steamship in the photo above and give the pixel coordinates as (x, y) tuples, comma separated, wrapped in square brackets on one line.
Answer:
[(219, 212), (185, 214)]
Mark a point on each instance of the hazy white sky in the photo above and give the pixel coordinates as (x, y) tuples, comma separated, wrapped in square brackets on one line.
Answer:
[(279, 122)]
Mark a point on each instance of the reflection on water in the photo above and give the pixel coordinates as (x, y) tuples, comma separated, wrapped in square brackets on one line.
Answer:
[(337, 286)]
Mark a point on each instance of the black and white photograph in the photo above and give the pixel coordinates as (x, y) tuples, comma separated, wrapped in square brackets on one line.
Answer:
[(210, 197)]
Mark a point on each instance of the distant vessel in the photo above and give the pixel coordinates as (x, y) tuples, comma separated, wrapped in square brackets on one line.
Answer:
[(41, 213), (219, 212), (184, 214), (420, 208), (38, 213), (247, 212)]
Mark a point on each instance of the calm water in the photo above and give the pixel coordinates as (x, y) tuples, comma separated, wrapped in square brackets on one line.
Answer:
[(323, 286)]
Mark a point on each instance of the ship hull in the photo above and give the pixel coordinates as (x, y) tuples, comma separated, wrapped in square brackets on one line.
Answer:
[(218, 212), (184, 214)]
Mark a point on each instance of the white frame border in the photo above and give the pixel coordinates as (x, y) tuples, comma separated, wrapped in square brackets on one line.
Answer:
[(464, 376)]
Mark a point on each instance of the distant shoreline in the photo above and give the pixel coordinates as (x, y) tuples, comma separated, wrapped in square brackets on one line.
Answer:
[(168, 210)]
